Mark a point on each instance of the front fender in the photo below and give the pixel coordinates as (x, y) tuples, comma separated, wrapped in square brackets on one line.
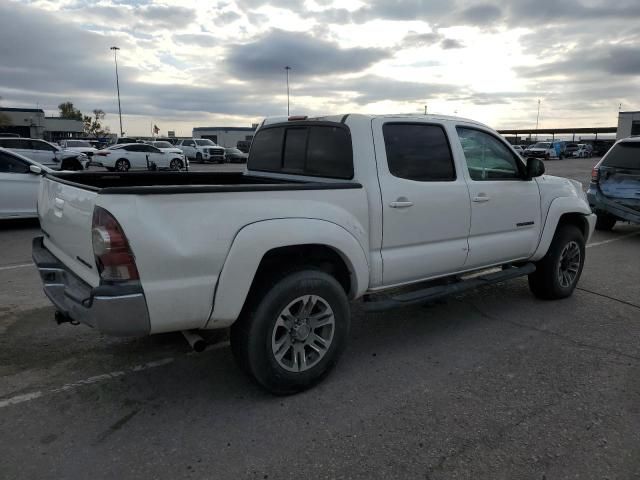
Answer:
[(252, 243), (561, 206)]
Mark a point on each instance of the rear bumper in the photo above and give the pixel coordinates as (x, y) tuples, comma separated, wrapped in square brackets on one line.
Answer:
[(601, 204), (119, 310)]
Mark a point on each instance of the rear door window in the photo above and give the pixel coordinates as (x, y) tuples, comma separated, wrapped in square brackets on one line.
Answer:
[(418, 152), (313, 150), (624, 155)]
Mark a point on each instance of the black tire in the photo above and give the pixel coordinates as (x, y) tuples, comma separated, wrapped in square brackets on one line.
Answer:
[(176, 164), (199, 158), (253, 333), (122, 165), (546, 281), (605, 222)]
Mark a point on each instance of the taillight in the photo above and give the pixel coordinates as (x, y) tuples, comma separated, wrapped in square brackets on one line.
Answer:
[(595, 175), (104, 154), (114, 258), (297, 118)]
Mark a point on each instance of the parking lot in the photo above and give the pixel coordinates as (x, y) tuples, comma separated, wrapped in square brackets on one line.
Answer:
[(490, 384)]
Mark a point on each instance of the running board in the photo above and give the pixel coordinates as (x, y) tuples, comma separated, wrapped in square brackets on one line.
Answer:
[(425, 295)]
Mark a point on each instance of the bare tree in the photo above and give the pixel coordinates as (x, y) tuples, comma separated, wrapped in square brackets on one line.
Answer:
[(93, 125)]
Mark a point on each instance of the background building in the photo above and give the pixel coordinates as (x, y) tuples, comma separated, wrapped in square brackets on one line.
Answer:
[(31, 123), (26, 122), (226, 136), (56, 128), (628, 124)]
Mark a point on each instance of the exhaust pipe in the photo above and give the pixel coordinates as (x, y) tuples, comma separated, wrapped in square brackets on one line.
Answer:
[(196, 341)]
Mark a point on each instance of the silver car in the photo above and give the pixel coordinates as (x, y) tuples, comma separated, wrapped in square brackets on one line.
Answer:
[(19, 182)]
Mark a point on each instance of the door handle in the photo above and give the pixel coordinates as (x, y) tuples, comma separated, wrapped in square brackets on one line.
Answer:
[(401, 202), (481, 198)]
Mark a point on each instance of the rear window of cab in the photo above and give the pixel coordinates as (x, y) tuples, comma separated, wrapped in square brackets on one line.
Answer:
[(320, 149)]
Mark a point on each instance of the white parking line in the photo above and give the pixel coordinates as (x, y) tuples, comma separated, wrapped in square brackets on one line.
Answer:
[(611, 240), (12, 267), (27, 397)]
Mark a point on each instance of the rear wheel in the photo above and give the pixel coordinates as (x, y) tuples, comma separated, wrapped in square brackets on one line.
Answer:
[(122, 165), (292, 332), (558, 272), (605, 222)]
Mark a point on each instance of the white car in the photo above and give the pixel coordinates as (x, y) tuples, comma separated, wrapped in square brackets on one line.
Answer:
[(519, 149), (19, 182), (44, 153), (169, 148), (393, 210), (138, 156), (82, 146), (201, 150), (584, 151)]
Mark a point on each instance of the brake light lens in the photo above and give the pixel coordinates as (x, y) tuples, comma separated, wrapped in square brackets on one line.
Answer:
[(595, 175), (111, 250), (102, 153)]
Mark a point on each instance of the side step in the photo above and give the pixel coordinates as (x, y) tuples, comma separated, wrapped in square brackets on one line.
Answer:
[(429, 294)]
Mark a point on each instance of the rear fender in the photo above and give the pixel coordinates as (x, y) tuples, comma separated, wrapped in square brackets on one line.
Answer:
[(252, 243), (559, 207)]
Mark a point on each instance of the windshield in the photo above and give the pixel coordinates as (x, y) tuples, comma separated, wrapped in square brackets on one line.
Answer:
[(232, 150), (204, 142), (542, 145), (162, 145), (624, 155), (77, 143)]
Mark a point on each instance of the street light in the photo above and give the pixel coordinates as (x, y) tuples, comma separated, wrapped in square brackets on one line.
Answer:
[(115, 58), (287, 68)]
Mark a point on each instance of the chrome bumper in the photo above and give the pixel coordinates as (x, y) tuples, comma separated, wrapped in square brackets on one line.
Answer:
[(119, 310)]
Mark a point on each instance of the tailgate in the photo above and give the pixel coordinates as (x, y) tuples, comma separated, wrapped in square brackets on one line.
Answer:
[(619, 174), (66, 213)]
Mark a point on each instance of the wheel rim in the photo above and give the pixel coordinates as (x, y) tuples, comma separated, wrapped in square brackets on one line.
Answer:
[(121, 166), (175, 165), (569, 264), (303, 333)]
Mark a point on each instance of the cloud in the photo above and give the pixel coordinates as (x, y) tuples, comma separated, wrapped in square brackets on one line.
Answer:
[(451, 43), (267, 55), (200, 39)]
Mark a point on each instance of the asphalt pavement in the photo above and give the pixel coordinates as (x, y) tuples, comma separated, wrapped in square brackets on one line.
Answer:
[(492, 384)]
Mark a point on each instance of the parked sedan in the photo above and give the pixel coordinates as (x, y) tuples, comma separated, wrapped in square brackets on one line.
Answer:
[(614, 193), (45, 153), (138, 156), (81, 146), (234, 155), (19, 182)]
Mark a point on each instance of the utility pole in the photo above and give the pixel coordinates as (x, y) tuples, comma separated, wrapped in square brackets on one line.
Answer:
[(287, 68), (425, 109), (537, 120), (115, 58)]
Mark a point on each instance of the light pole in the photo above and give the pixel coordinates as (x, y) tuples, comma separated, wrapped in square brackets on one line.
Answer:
[(287, 68), (537, 120), (115, 58)]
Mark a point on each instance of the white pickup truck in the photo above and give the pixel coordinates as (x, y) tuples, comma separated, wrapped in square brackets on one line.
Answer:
[(392, 210)]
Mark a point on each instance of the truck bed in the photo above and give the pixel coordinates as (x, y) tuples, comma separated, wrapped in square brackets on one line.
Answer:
[(147, 183)]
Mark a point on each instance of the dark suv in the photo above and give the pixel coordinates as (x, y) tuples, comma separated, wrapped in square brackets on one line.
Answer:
[(614, 193)]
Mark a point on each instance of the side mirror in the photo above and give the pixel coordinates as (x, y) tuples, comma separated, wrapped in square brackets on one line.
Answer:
[(36, 170), (535, 167)]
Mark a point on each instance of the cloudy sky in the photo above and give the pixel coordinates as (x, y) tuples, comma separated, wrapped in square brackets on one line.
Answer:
[(192, 63)]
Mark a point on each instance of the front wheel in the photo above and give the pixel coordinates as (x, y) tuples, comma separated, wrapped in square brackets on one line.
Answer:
[(558, 272), (175, 164), (292, 332), (199, 158)]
